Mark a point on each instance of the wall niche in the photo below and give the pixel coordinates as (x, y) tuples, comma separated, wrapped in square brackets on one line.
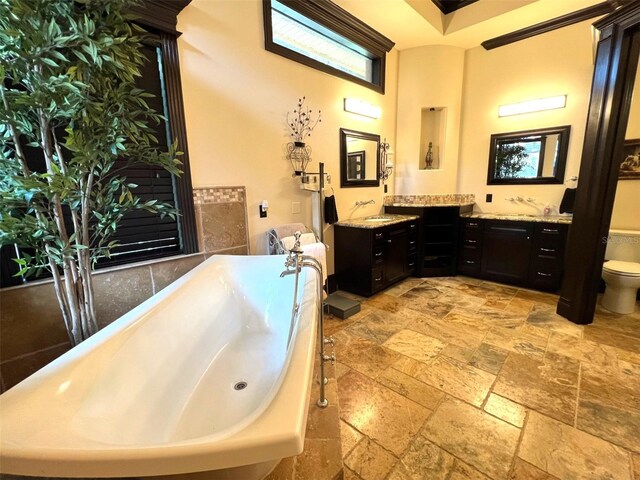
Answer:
[(432, 136)]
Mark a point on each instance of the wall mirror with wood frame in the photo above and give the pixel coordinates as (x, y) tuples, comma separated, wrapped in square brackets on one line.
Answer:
[(359, 159), (528, 157)]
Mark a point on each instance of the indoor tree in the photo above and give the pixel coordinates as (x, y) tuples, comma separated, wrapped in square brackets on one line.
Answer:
[(69, 99)]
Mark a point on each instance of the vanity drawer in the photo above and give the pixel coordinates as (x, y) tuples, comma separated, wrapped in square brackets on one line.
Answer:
[(545, 275), (550, 231), (470, 225), (377, 279), (469, 265)]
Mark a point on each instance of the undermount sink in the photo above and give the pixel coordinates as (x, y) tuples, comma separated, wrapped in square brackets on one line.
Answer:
[(377, 219)]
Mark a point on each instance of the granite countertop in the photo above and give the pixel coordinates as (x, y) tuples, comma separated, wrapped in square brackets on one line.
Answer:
[(515, 217), (375, 221)]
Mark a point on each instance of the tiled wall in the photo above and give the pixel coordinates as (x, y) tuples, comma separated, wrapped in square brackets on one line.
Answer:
[(32, 331), (221, 217)]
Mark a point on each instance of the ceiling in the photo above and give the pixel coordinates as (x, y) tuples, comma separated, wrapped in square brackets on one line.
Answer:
[(414, 23)]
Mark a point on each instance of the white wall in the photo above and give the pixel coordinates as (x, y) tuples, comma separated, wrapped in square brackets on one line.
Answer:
[(558, 62), (236, 97), (626, 210), (428, 76)]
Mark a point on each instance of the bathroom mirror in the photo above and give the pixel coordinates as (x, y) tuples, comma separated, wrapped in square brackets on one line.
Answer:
[(359, 159), (528, 157)]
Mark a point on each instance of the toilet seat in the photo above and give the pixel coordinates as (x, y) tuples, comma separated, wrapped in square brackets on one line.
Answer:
[(627, 269)]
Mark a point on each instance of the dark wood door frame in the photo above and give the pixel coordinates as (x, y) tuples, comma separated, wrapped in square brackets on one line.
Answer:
[(612, 87)]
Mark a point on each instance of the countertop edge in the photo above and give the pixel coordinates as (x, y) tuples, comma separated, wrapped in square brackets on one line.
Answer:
[(362, 223)]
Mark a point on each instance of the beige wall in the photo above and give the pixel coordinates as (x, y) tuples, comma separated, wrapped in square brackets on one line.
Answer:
[(236, 97), (626, 212), (558, 62), (428, 76)]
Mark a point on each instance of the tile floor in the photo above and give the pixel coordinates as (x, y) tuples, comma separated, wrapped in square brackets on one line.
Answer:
[(456, 378)]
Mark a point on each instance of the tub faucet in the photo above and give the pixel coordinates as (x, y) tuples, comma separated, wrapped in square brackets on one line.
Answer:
[(294, 264)]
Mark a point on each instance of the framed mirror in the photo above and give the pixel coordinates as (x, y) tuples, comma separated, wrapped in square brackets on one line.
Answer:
[(529, 157), (359, 159)]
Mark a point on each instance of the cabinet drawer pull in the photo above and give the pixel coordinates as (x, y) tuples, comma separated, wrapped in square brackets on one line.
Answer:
[(544, 274), (378, 279), (550, 230), (470, 262), (412, 242), (412, 225), (547, 249), (379, 236), (379, 254), (412, 264), (472, 224), (472, 241)]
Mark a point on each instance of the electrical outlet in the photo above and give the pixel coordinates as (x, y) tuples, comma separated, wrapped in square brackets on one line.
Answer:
[(489, 197), (263, 212)]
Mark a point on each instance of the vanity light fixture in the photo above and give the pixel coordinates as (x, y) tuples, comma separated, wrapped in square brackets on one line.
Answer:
[(361, 107), (549, 103)]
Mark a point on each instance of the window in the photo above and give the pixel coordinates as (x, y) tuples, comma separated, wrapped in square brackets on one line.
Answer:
[(321, 35), (141, 235)]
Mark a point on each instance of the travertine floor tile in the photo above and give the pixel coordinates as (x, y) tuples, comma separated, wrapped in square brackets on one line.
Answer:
[(583, 350), (607, 420), (636, 466), (423, 460), (431, 308), (320, 460), (370, 461), (457, 379), (475, 437), (620, 386), (613, 338), (363, 355), (462, 354), (378, 325), (409, 387), (404, 286), (466, 336), (525, 471), (545, 316), (462, 471), (349, 437), (517, 341), (506, 410), (380, 413), (545, 387), (387, 303), (569, 453), (489, 358), (415, 345)]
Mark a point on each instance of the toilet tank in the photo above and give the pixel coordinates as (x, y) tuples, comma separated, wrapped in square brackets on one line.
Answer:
[(623, 245)]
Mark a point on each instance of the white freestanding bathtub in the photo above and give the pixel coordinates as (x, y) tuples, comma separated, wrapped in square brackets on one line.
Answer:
[(160, 391)]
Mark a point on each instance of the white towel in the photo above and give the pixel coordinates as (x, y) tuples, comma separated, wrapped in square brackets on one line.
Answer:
[(319, 252), (305, 239)]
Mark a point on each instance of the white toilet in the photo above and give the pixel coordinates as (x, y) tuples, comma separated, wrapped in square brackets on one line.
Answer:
[(621, 271)]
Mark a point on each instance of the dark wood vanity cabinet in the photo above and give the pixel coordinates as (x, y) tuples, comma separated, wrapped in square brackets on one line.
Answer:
[(371, 259), (529, 254), (437, 238)]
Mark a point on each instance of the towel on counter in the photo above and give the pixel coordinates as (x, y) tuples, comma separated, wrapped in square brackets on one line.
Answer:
[(330, 210), (568, 199), (305, 239)]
